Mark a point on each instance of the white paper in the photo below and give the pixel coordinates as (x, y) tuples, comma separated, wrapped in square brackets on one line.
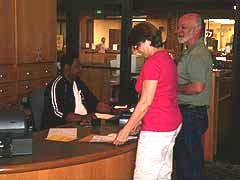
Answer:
[(62, 134), (120, 107), (108, 138), (131, 110), (104, 116)]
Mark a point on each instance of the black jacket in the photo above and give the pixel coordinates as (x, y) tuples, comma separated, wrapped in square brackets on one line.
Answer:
[(59, 100)]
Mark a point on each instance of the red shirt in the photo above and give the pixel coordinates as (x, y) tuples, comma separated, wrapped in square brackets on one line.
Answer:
[(163, 114)]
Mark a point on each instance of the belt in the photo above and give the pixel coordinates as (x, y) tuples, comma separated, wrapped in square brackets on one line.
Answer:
[(190, 106)]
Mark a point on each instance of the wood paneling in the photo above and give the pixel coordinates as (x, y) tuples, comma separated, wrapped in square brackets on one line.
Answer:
[(98, 81), (219, 115), (36, 30), (36, 71), (7, 90), (114, 37), (115, 168), (28, 35), (96, 73), (6, 103), (73, 160), (8, 74), (7, 32), (209, 138)]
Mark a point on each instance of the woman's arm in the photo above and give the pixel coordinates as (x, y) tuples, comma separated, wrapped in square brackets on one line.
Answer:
[(147, 94)]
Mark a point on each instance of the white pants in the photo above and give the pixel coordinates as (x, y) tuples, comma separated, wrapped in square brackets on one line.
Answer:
[(155, 155)]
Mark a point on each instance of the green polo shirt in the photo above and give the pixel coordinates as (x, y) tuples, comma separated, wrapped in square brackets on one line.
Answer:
[(195, 65)]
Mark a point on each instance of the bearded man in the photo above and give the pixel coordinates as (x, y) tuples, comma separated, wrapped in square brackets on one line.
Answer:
[(194, 85)]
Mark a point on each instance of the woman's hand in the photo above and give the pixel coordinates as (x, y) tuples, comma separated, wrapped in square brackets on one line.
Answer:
[(122, 137), (136, 129)]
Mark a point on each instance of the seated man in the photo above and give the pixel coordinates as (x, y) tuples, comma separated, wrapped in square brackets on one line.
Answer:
[(67, 98)]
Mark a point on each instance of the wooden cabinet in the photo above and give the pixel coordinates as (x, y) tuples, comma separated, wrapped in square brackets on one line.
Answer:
[(7, 32), (219, 114), (36, 71), (8, 95), (7, 90), (27, 46), (36, 30), (97, 80), (7, 74), (31, 76)]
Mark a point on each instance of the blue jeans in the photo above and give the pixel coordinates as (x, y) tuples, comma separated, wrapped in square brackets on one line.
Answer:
[(188, 150)]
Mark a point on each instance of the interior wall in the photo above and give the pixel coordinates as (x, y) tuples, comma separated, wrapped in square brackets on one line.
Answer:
[(160, 22), (101, 29), (102, 26)]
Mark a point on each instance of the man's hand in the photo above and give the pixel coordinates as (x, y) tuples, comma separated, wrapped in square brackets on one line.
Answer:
[(103, 108), (87, 119), (82, 119)]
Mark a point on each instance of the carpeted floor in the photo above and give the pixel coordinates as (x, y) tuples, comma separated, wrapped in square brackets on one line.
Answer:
[(222, 171), (227, 161)]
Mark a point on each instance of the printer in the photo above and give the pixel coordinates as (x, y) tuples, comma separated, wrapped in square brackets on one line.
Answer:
[(12, 123), (14, 136)]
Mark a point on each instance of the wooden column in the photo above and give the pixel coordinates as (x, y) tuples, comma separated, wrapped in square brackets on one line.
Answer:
[(72, 28), (125, 60), (236, 67)]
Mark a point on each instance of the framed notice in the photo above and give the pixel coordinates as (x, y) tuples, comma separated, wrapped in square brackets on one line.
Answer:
[(115, 47)]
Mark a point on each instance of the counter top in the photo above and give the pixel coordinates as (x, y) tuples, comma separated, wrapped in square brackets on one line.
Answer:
[(52, 154)]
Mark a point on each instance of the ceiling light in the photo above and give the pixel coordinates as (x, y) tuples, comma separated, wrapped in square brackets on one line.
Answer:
[(223, 21), (139, 20)]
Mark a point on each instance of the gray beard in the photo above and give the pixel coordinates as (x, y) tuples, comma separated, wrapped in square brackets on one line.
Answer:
[(183, 40)]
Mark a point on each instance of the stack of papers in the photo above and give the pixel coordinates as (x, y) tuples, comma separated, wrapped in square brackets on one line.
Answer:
[(62, 134), (103, 138)]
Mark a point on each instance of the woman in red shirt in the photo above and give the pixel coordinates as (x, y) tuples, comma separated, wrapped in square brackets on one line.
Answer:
[(157, 108)]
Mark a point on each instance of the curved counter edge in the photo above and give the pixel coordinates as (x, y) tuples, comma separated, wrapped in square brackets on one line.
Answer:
[(59, 163), (119, 167)]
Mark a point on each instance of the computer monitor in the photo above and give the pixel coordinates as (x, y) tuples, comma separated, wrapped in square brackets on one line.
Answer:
[(137, 62)]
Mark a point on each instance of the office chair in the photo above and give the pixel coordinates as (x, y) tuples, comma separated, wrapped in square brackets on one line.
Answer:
[(37, 105)]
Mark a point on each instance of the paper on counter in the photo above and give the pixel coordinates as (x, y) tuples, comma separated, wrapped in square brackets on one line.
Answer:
[(62, 134), (98, 138), (131, 110), (103, 138), (120, 107), (104, 116)]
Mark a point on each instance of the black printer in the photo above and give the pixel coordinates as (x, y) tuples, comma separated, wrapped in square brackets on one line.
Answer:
[(14, 136), (12, 123)]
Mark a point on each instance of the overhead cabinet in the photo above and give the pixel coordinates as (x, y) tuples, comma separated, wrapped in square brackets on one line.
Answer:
[(27, 46)]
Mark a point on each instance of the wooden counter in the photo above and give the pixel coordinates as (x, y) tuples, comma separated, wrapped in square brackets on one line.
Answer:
[(72, 160), (219, 113)]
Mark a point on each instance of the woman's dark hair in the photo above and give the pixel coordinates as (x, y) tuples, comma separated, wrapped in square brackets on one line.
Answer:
[(145, 31)]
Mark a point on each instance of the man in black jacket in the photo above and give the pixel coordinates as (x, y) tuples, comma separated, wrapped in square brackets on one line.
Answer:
[(68, 99)]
